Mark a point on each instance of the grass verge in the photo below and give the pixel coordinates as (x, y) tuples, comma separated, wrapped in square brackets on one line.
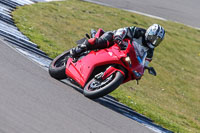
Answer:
[(172, 99)]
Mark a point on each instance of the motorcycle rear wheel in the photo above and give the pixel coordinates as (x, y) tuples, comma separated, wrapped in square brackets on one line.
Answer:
[(58, 66), (95, 89)]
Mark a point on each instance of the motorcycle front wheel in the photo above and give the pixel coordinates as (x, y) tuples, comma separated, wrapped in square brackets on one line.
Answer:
[(95, 88), (58, 66)]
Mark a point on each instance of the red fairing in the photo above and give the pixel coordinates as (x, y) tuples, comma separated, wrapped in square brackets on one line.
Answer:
[(81, 70)]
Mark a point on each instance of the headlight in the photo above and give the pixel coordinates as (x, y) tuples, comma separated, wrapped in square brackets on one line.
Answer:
[(128, 59)]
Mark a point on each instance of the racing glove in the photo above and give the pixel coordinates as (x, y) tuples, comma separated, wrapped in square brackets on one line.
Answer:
[(118, 40)]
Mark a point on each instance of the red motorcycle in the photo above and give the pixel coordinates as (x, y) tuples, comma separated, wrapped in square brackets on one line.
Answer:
[(99, 72)]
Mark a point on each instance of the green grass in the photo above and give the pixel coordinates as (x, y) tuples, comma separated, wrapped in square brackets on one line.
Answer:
[(171, 99)]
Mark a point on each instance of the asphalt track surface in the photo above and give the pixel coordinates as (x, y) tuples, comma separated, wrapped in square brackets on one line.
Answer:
[(31, 102), (183, 11)]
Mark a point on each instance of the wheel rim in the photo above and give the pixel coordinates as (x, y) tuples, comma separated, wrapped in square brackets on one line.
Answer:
[(96, 84)]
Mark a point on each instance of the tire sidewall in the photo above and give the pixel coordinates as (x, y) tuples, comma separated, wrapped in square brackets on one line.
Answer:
[(58, 72)]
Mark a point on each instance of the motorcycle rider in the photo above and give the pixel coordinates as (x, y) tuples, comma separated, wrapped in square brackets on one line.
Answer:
[(144, 40)]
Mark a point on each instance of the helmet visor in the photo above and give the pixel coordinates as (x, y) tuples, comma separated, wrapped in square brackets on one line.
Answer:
[(155, 40)]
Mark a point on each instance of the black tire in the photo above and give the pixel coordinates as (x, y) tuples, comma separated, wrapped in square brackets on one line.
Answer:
[(104, 89), (58, 66)]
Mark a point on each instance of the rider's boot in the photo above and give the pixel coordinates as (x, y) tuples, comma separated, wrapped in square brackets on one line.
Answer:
[(75, 52)]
